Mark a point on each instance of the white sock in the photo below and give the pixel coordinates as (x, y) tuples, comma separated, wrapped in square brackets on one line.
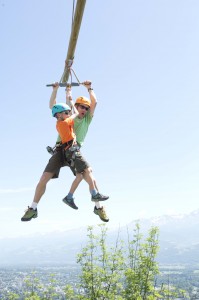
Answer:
[(34, 205), (97, 204)]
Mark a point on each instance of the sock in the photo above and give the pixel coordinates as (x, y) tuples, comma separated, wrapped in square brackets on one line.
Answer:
[(70, 196), (93, 192), (97, 205), (34, 205)]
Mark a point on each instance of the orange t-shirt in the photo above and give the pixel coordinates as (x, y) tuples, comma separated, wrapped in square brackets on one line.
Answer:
[(66, 130)]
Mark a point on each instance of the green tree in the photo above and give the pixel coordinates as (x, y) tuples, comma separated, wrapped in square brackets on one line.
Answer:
[(102, 270), (32, 285), (11, 296), (141, 267), (37, 291), (120, 274)]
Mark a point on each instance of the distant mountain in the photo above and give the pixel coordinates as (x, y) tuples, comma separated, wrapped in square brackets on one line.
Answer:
[(182, 229), (178, 240), (43, 249)]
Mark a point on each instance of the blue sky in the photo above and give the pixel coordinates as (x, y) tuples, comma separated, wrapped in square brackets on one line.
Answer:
[(142, 57)]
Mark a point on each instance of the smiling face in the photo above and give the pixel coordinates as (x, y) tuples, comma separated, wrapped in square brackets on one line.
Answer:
[(82, 110)]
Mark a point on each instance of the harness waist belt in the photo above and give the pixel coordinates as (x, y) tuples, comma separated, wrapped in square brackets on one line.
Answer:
[(66, 145)]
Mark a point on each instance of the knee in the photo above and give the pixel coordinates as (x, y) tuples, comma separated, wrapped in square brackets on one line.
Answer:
[(79, 177), (45, 178), (90, 169), (87, 171)]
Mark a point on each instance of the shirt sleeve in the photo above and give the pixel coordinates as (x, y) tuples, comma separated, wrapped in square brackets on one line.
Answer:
[(88, 117)]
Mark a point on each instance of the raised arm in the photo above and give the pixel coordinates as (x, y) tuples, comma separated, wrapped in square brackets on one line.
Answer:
[(69, 96), (74, 109), (52, 101), (92, 95)]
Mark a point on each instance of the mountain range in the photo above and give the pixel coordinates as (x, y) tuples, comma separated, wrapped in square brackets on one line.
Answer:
[(178, 241)]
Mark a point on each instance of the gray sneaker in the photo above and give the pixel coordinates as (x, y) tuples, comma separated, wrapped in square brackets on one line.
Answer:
[(99, 197), (29, 214), (101, 213), (70, 202)]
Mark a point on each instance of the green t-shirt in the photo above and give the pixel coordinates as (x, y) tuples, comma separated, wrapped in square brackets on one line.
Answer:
[(81, 128)]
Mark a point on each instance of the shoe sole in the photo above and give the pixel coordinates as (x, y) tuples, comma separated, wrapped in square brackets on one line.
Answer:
[(70, 205), (96, 200), (26, 220)]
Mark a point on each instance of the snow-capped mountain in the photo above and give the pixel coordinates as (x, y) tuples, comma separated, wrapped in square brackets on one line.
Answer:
[(178, 240)]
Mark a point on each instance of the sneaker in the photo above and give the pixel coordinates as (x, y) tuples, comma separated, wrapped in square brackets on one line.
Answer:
[(101, 213), (99, 197), (70, 202), (29, 214)]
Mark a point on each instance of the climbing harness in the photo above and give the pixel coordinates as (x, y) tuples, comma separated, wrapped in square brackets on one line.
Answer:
[(71, 148), (75, 152)]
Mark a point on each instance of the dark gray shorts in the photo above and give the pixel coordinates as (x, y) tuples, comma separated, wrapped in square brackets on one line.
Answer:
[(56, 162)]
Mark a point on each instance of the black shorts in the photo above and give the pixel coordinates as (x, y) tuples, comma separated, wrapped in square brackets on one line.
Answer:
[(56, 163)]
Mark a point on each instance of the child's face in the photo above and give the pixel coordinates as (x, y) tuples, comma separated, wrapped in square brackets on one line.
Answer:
[(64, 115)]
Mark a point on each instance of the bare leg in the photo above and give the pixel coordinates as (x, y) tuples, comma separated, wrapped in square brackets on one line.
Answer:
[(95, 183), (31, 212), (97, 203), (79, 178), (41, 186), (88, 177), (96, 196), (75, 183)]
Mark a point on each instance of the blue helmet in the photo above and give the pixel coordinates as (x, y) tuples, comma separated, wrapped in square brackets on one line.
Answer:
[(58, 108)]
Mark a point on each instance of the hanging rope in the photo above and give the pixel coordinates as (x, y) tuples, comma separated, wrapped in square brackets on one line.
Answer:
[(68, 65), (75, 76)]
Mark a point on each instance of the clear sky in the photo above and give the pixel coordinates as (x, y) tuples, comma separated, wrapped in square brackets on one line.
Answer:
[(143, 59)]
